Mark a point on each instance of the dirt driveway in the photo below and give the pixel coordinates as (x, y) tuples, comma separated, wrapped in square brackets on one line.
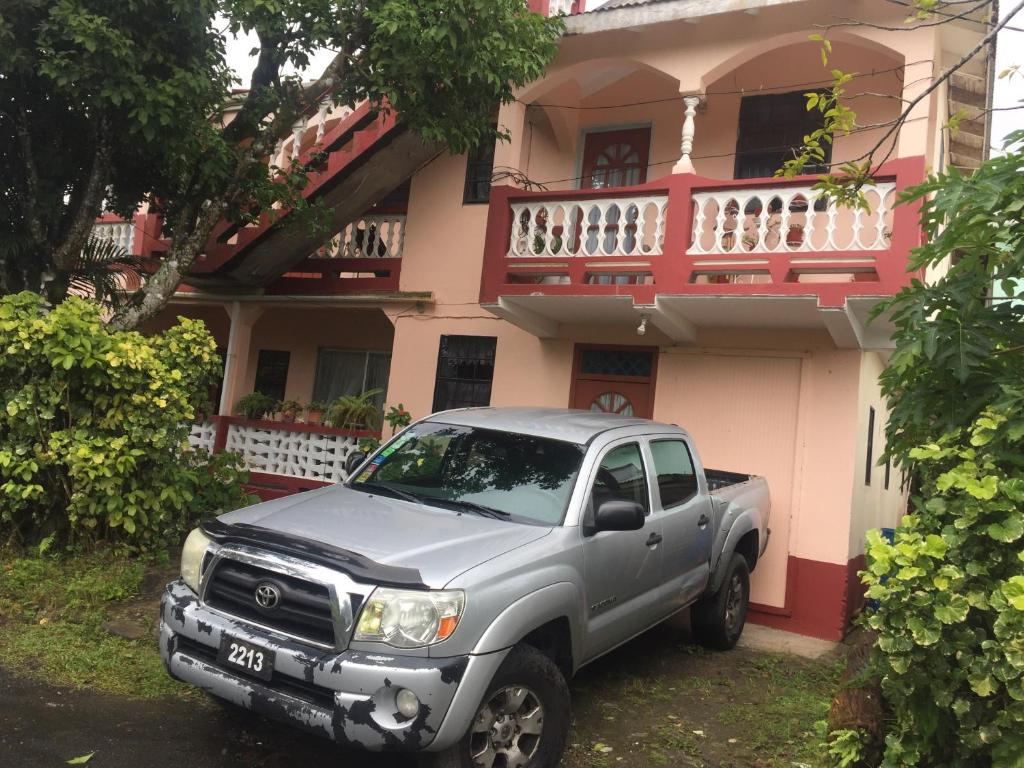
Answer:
[(658, 700)]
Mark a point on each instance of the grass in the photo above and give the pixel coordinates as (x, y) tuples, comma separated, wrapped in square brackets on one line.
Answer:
[(661, 700), (51, 623)]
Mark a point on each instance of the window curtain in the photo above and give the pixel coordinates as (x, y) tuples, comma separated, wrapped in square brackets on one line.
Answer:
[(350, 372)]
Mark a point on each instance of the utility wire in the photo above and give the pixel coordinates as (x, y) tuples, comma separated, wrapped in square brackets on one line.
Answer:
[(738, 92)]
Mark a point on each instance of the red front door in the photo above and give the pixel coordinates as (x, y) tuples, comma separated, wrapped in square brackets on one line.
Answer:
[(615, 158), (615, 380)]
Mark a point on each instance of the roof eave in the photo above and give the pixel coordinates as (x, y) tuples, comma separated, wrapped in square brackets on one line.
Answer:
[(630, 17)]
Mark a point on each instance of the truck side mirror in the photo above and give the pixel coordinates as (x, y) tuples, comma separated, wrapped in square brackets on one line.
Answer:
[(353, 460), (619, 515)]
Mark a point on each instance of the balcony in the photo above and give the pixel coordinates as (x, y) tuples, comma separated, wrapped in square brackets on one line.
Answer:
[(689, 252), (366, 256)]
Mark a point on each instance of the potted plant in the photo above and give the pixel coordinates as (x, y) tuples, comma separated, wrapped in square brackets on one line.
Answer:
[(398, 418), (355, 411), (289, 409), (315, 412), (255, 405), (795, 236)]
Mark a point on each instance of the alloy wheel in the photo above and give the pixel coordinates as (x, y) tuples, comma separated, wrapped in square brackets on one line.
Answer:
[(507, 729)]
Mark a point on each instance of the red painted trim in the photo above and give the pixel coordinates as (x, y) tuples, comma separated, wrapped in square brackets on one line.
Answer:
[(674, 272), (295, 426), (821, 599), (269, 487)]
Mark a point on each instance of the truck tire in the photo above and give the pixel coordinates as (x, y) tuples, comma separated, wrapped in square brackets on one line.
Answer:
[(718, 619), (523, 720)]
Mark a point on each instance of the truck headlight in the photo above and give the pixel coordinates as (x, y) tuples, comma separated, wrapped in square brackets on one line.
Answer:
[(192, 558), (410, 619)]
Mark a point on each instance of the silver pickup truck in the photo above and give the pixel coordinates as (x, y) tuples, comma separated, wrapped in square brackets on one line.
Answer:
[(440, 599)]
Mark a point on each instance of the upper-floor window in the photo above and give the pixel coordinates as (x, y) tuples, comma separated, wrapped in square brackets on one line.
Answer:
[(479, 171), (770, 128)]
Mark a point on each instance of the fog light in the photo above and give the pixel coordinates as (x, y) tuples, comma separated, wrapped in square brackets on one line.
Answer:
[(407, 703)]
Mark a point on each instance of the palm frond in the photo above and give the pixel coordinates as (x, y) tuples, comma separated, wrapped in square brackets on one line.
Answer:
[(106, 272)]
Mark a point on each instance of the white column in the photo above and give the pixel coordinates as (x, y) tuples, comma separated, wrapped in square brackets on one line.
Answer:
[(685, 165), (236, 358)]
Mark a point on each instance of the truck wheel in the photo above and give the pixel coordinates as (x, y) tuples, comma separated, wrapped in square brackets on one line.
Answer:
[(718, 619), (523, 721)]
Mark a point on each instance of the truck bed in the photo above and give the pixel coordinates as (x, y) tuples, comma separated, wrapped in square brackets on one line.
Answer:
[(719, 479)]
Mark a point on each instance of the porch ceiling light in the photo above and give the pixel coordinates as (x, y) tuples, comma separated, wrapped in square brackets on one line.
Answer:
[(642, 328)]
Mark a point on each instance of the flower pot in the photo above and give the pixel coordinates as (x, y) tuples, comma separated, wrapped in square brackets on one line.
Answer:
[(795, 236)]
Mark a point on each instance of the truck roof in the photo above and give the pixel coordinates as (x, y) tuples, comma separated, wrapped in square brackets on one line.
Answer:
[(556, 423)]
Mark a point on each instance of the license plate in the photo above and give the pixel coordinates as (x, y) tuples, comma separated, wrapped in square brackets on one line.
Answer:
[(246, 657)]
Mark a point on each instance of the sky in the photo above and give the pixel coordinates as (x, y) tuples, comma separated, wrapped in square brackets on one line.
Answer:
[(1008, 92)]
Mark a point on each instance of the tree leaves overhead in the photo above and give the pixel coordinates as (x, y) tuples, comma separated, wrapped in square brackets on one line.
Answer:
[(106, 105)]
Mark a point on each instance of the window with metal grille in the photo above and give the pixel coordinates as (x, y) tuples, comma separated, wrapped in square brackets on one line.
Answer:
[(465, 370), (479, 170), (616, 362), (770, 128), (272, 372)]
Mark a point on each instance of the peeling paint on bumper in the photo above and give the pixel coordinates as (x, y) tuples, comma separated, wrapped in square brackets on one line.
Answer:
[(348, 696)]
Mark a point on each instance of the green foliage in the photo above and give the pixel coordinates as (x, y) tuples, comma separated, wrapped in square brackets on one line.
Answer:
[(255, 405), (957, 348), (846, 747), (397, 417), (950, 588), (107, 104), (355, 411), (94, 428)]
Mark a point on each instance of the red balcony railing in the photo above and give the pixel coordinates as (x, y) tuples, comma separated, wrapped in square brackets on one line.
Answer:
[(688, 235)]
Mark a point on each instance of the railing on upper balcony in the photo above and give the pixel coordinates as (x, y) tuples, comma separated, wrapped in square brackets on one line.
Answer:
[(282, 457), (689, 235), (365, 256)]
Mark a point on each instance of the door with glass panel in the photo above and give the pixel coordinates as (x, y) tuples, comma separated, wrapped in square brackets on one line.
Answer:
[(613, 159), (686, 517), (621, 569)]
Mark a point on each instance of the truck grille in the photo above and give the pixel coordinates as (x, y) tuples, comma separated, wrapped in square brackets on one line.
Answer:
[(303, 608)]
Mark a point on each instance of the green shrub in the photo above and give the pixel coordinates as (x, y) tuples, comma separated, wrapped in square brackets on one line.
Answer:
[(94, 428), (950, 591)]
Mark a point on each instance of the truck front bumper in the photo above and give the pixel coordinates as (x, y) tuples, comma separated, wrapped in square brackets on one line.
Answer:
[(347, 696)]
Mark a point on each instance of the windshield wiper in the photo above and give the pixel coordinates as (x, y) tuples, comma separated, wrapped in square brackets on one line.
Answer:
[(473, 506), (407, 495)]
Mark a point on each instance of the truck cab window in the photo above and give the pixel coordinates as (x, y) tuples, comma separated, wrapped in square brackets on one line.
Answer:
[(621, 477), (677, 480)]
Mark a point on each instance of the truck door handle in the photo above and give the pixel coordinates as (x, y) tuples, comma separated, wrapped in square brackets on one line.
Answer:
[(704, 520), (654, 538)]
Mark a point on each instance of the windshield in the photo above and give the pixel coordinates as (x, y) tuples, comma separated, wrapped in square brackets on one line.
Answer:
[(479, 471)]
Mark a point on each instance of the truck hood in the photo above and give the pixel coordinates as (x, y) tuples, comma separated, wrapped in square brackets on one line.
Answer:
[(439, 543)]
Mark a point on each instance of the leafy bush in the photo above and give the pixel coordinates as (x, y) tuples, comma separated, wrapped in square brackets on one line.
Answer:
[(355, 411), (94, 428), (950, 620)]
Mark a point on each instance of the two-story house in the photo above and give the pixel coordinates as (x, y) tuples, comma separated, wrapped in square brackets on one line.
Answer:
[(628, 250)]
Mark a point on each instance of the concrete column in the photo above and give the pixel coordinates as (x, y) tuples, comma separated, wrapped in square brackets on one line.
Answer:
[(236, 361)]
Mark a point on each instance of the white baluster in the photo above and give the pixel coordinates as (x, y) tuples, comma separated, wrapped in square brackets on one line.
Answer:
[(685, 165), (321, 117), (298, 131)]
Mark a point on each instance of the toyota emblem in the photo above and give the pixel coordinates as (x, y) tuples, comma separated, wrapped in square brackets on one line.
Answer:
[(268, 596)]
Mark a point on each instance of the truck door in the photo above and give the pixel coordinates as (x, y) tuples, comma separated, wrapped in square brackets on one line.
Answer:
[(622, 569), (687, 522)]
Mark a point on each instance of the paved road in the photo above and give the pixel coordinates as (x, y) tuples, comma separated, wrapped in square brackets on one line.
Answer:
[(43, 727)]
